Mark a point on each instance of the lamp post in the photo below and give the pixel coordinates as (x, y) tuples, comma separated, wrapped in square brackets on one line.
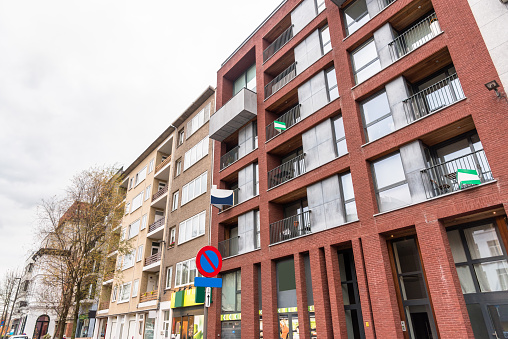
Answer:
[(13, 305)]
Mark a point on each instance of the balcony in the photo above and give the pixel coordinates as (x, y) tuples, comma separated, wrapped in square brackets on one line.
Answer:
[(290, 228), (162, 169), (104, 305), (290, 118), (156, 230), (152, 263), (414, 37), (280, 80), (278, 43), (148, 296), (435, 97), (229, 158), (287, 171), (442, 178), (108, 278), (229, 247), (159, 199), (233, 115)]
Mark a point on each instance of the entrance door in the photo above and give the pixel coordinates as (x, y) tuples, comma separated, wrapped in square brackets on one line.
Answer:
[(41, 327), (288, 326), (132, 329), (499, 316)]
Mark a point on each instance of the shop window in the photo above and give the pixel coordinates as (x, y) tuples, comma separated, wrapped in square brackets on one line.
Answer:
[(232, 292)]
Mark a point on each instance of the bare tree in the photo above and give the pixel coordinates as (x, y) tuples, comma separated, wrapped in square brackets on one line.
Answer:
[(77, 231), (7, 290)]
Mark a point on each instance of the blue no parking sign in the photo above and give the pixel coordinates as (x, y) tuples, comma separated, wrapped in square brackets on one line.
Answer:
[(208, 263)]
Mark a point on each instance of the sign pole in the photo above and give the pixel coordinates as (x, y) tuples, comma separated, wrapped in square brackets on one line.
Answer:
[(205, 327)]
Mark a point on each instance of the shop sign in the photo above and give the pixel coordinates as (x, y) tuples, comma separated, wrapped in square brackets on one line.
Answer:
[(230, 316), (287, 310)]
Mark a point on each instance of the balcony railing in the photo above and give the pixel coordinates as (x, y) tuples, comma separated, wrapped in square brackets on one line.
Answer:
[(153, 258), (414, 37), (229, 247), (442, 178), (280, 80), (287, 171), (104, 305), (278, 43), (290, 118), (229, 158), (236, 191), (148, 296), (162, 164), (160, 193), (159, 223), (443, 93), (290, 228), (384, 3)]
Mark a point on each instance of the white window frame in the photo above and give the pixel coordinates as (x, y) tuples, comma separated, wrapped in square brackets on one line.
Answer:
[(178, 167), (181, 137), (137, 202), (128, 260), (184, 230), (190, 262), (134, 226), (140, 253), (174, 201), (151, 165), (196, 153), (169, 276), (172, 235), (113, 293), (147, 192), (123, 234), (189, 192), (198, 121), (144, 220), (127, 207), (135, 287), (140, 176), (124, 287)]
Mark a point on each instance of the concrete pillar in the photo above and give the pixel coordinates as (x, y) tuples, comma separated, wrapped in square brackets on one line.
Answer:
[(335, 290), (443, 282), (413, 161), (382, 37), (396, 91), (301, 300), (324, 327)]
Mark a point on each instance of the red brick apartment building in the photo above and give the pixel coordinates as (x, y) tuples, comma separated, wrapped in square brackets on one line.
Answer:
[(355, 221)]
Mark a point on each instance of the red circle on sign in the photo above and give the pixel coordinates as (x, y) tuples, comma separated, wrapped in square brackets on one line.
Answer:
[(202, 252)]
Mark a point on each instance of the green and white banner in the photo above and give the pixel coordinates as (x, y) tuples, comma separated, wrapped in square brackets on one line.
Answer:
[(467, 177), (279, 125), (231, 316)]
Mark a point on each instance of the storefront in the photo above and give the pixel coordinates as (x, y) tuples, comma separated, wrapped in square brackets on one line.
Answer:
[(188, 313)]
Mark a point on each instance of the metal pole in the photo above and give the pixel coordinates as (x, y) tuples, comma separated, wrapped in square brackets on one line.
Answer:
[(205, 327), (13, 304)]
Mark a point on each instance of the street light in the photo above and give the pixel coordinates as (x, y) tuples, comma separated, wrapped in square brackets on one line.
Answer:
[(492, 86)]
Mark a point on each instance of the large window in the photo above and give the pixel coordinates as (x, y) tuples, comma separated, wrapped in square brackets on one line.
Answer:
[(392, 189), (247, 79), (136, 202), (194, 188), (128, 260), (169, 275), (125, 292), (331, 84), (365, 61), (377, 116), (348, 197), (196, 153), (140, 176), (324, 35), (355, 16), (199, 120), (340, 136), (192, 228), (186, 271), (134, 228), (232, 292)]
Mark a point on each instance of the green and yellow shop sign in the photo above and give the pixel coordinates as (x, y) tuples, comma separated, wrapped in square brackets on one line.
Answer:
[(230, 316), (287, 310), (191, 297)]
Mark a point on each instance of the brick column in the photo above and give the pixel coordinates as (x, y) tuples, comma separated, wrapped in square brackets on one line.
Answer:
[(213, 327), (450, 313), (324, 326), (363, 289), (301, 297), (250, 307), (385, 309), (335, 291), (269, 295)]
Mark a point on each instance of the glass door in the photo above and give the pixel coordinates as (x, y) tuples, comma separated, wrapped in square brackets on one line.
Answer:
[(499, 316)]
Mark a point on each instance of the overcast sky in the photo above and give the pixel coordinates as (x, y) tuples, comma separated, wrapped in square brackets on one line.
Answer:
[(79, 79)]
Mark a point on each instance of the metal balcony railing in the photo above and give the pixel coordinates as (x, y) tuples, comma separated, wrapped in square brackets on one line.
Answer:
[(159, 223), (160, 193), (236, 191), (290, 118), (153, 258), (290, 228), (280, 80), (439, 95), (162, 164), (414, 37), (442, 178), (229, 247), (287, 171), (148, 296), (278, 43), (229, 158)]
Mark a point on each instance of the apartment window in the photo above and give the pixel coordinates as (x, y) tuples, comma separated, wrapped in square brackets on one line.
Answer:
[(355, 16), (192, 228), (186, 271), (256, 178), (331, 83), (118, 262), (255, 132), (26, 283), (140, 253), (377, 116), (128, 260), (392, 189), (181, 136), (178, 167), (140, 176), (144, 221), (340, 136), (324, 35), (136, 202), (151, 165), (169, 275), (196, 153), (320, 5), (147, 192), (348, 197), (257, 232), (194, 188), (247, 79), (174, 202), (232, 292), (125, 292), (30, 267), (135, 287), (131, 183), (122, 235), (199, 120), (127, 207), (113, 294), (365, 61), (172, 236), (162, 185), (134, 228)]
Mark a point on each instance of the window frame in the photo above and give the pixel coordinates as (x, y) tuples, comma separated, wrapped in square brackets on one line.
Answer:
[(188, 163), (124, 287), (183, 231), (180, 264), (140, 196), (169, 270), (181, 137), (328, 89), (334, 119), (113, 293), (135, 288), (373, 122), (193, 182), (244, 75), (356, 50), (144, 221), (238, 308), (321, 41), (178, 167), (151, 166), (143, 170), (206, 117), (138, 227), (175, 197), (148, 192), (346, 27), (139, 255), (344, 201)]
